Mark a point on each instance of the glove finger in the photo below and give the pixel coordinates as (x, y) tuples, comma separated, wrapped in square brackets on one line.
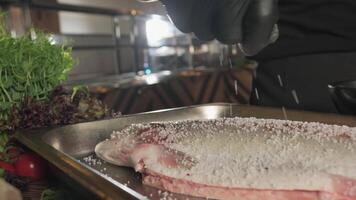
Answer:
[(202, 17), (180, 13), (228, 20), (259, 28)]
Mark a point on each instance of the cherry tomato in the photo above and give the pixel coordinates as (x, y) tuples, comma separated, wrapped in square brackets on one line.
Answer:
[(31, 165)]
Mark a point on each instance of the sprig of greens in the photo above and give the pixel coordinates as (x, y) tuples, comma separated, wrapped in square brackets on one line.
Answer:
[(53, 194), (29, 67), (3, 141)]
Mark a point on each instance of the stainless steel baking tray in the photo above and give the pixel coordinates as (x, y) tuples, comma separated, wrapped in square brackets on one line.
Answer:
[(65, 147)]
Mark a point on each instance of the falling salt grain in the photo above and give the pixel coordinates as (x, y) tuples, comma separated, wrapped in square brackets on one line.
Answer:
[(280, 80), (236, 89), (284, 113), (295, 96), (257, 95)]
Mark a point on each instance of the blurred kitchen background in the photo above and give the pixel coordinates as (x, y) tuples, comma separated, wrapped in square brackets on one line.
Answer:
[(132, 57)]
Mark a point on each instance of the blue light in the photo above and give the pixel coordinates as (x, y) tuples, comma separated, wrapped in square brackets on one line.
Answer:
[(148, 71)]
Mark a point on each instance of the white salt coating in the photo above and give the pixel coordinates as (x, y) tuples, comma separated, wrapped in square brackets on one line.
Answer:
[(92, 161), (256, 153)]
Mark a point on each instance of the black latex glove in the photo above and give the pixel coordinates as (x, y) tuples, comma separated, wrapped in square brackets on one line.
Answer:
[(250, 23)]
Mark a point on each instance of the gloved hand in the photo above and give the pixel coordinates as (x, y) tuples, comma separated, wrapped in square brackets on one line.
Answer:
[(249, 23)]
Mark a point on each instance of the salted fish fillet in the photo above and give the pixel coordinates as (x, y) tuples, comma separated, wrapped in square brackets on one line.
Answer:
[(240, 158)]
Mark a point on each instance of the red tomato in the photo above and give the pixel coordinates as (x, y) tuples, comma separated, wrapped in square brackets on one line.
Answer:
[(31, 166)]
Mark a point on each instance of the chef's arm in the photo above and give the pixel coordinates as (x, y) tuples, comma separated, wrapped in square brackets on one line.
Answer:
[(250, 23)]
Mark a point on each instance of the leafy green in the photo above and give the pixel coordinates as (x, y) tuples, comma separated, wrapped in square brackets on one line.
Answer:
[(30, 66), (3, 141), (79, 88), (32, 69), (52, 194), (63, 107)]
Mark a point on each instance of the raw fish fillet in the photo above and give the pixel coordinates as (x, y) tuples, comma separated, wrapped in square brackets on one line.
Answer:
[(240, 158)]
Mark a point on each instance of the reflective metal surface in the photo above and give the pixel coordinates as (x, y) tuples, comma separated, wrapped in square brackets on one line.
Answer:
[(65, 147)]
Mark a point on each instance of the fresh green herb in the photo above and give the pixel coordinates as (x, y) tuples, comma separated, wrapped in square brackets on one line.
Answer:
[(50, 194), (3, 141), (57, 193), (30, 66), (79, 88)]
